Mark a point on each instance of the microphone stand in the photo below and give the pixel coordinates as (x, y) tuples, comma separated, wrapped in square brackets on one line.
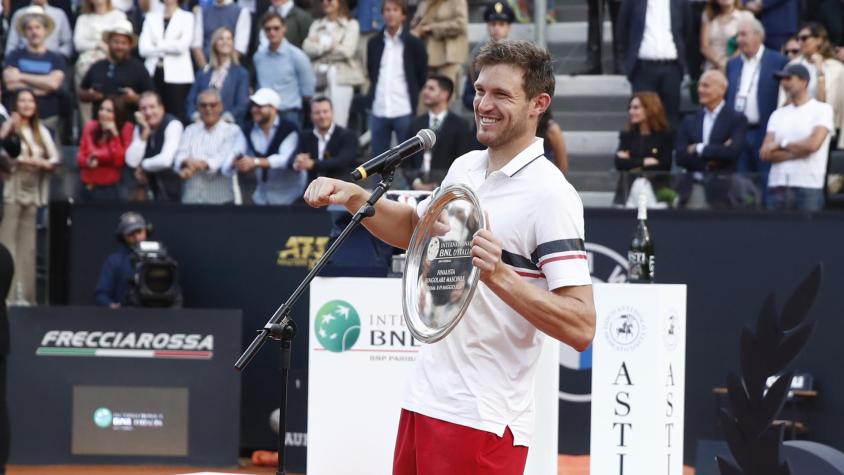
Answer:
[(281, 326)]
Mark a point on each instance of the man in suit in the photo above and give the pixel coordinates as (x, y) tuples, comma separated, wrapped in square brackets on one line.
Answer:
[(709, 143), (598, 11), (653, 36), (453, 137), (397, 65), (779, 17), (328, 150), (753, 90)]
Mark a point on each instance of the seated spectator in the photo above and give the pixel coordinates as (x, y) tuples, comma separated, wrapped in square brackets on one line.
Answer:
[(224, 74), (554, 142), (453, 137), (718, 30), (444, 28), (25, 190), (329, 149), (153, 149), (332, 45), (826, 73), (119, 74), (36, 67), (97, 17), (284, 68), (206, 153), (165, 46), (272, 143), (58, 37), (791, 49), (102, 151), (709, 144), (213, 16), (645, 144), (297, 21), (117, 271), (797, 145)]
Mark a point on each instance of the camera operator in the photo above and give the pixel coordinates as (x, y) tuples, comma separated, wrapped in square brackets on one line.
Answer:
[(118, 269)]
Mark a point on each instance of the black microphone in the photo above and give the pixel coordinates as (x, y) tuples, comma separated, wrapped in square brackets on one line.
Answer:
[(424, 140)]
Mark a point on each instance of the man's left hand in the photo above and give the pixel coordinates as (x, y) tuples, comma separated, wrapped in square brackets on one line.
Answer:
[(303, 162), (486, 255)]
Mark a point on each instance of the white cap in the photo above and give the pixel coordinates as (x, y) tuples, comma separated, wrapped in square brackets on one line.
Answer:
[(266, 97)]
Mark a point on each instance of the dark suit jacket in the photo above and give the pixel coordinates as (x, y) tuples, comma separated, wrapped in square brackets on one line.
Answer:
[(631, 28), (658, 145), (717, 156), (768, 88), (780, 16), (340, 153), (453, 140), (415, 64)]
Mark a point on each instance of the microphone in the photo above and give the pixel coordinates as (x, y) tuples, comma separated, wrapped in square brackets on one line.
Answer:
[(424, 140)]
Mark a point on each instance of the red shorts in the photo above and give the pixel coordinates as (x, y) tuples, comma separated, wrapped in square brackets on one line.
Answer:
[(428, 446)]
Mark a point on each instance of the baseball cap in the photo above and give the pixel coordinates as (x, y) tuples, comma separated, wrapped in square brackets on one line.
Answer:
[(266, 97), (499, 11), (130, 222), (796, 70)]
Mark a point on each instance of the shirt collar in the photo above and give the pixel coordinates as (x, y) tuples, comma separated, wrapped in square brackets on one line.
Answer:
[(757, 56), (387, 36), (523, 158), (716, 111), (327, 134), (257, 128), (440, 116)]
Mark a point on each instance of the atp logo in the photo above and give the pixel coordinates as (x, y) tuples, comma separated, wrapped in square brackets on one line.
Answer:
[(102, 417), (337, 326), (302, 251)]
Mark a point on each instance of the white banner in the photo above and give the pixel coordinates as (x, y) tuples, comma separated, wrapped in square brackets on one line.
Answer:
[(360, 355), (638, 380)]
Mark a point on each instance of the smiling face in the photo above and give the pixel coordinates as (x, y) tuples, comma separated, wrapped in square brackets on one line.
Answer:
[(25, 105), (224, 44), (502, 109), (152, 110), (322, 115)]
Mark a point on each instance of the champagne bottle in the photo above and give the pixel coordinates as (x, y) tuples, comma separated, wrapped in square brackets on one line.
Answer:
[(640, 257)]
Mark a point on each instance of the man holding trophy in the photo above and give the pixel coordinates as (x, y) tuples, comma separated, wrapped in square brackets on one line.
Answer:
[(469, 407)]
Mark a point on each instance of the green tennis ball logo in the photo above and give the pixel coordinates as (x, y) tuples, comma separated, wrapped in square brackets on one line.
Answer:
[(337, 326), (102, 417)]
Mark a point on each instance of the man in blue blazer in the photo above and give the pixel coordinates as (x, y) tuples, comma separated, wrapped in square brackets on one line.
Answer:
[(753, 90), (779, 17), (394, 95), (710, 141), (654, 48)]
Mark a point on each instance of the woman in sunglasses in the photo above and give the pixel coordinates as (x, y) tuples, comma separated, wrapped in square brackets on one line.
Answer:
[(791, 48)]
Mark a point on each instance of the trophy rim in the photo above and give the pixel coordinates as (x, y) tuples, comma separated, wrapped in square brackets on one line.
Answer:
[(441, 199)]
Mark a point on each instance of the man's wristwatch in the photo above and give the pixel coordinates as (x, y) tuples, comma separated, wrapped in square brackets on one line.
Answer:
[(258, 162)]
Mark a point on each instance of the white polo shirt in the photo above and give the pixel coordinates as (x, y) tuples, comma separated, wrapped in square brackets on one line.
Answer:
[(482, 374)]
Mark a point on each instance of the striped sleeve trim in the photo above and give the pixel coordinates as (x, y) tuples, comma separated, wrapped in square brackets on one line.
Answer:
[(522, 265), (559, 250)]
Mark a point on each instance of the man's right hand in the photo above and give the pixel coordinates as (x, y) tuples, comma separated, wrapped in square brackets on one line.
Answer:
[(329, 191)]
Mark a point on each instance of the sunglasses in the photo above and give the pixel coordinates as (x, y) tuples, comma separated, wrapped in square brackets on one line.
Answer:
[(792, 51), (803, 38)]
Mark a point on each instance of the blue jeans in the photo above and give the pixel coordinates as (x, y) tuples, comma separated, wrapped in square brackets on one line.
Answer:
[(382, 130), (795, 198)]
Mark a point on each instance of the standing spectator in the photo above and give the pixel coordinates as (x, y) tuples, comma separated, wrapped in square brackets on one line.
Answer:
[(779, 17), (225, 74), (27, 189), (826, 73), (332, 45), (102, 151), (443, 25), (165, 45), (499, 18), (791, 49), (719, 26), (59, 35), (272, 142), (97, 17), (553, 141), (829, 13), (453, 137), (210, 18), (284, 68), (752, 90), (153, 148), (645, 144), (709, 144), (297, 21), (119, 74), (654, 35), (328, 150), (206, 152), (596, 11), (797, 144), (37, 68), (397, 65)]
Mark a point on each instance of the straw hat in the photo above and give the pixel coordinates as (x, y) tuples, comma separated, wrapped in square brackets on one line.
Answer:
[(122, 27), (31, 11)]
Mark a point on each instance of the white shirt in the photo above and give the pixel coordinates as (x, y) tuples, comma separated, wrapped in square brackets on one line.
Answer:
[(709, 118), (797, 123), (748, 86), (218, 147), (482, 374), (391, 96), (657, 40), (322, 141), (164, 159)]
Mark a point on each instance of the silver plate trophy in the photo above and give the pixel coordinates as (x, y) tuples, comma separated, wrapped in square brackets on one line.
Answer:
[(439, 278)]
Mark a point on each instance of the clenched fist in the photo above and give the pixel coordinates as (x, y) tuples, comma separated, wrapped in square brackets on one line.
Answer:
[(329, 191)]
